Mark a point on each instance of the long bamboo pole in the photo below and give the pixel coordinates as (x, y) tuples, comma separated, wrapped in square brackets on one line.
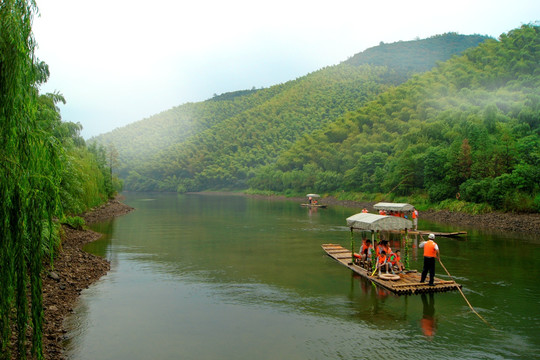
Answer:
[(464, 297)]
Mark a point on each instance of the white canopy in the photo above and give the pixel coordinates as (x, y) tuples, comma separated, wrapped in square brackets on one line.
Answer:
[(367, 221), (313, 195), (393, 206)]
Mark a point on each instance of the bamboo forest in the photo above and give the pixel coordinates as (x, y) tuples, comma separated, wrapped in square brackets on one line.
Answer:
[(378, 123)]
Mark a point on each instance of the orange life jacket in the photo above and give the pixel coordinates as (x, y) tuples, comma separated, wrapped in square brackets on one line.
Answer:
[(429, 249), (365, 248), (382, 259), (394, 258), (414, 214), (378, 249)]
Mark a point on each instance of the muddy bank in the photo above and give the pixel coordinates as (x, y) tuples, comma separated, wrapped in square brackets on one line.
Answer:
[(526, 223), (74, 270)]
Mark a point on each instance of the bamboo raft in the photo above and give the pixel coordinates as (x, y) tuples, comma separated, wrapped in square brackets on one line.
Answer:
[(408, 283), (314, 205)]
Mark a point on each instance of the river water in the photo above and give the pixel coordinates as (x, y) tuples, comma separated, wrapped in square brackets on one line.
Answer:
[(229, 277)]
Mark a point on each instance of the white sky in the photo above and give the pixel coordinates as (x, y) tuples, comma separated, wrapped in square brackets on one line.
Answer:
[(119, 61)]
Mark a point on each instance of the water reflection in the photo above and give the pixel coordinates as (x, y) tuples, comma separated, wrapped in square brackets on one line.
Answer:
[(428, 323), (250, 277)]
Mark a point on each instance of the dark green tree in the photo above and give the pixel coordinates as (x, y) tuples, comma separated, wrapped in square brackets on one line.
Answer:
[(29, 178)]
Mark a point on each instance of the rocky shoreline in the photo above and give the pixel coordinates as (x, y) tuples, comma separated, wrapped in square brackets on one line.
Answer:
[(74, 270)]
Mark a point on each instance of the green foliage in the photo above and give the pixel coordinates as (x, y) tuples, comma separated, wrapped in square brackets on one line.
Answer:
[(42, 173), (28, 179), (76, 222), (416, 56), (468, 127), (225, 141)]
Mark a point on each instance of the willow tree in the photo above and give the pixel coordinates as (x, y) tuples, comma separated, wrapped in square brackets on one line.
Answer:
[(29, 172)]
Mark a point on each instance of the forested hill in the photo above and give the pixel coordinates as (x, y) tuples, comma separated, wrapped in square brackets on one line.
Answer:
[(221, 141), (468, 129), (416, 56)]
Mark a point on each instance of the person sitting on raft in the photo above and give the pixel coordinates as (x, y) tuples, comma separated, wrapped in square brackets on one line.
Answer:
[(379, 248), (365, 252), (382, 262), (395, 260), (386, 247)]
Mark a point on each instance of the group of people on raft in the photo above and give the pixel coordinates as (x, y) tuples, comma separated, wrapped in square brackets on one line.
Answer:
[(385, 258), (390, 261)]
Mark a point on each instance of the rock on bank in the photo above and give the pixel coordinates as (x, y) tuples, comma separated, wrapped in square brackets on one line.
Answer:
[(74, 270)]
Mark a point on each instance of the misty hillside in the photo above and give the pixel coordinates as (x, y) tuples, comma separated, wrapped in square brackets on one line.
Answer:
[(243, 130), (469, 129), (416, 56)]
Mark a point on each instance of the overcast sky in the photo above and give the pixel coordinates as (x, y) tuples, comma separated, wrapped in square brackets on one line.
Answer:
[(119, 61)]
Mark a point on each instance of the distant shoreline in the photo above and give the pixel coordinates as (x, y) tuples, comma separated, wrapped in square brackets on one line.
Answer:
[(511, 222)]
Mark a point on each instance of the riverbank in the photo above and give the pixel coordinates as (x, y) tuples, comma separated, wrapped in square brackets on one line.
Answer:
[(74, 270), (524, 223)]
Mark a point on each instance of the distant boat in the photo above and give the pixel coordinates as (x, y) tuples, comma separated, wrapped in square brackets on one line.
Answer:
[(312, 202), (313, 205), (405, 210)]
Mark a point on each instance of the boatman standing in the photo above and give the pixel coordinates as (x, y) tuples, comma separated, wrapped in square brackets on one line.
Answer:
[(431, 252)]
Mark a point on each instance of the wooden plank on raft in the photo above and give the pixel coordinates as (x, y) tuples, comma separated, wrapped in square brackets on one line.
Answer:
[(442, 282), (339, 251)]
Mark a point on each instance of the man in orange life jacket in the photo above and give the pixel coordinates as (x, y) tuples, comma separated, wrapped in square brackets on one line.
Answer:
[(431, 252)]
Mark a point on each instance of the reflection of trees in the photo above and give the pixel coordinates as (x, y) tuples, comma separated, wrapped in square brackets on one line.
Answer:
[(101, 246)]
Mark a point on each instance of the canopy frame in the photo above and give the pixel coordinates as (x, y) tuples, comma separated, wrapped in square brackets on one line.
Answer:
[(388, 206), (374, 222)]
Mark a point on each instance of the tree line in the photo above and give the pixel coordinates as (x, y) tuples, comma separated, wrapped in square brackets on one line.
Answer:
[(47, 176)]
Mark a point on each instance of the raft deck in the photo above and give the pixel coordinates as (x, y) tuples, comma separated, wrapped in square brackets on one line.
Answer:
[(408, 283)]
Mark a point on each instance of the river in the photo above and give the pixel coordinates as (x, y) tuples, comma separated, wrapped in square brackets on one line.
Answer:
[(230, 277)]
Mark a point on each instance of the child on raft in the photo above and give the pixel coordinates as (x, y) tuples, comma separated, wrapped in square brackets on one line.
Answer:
[(395, 261), (382, 262)]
